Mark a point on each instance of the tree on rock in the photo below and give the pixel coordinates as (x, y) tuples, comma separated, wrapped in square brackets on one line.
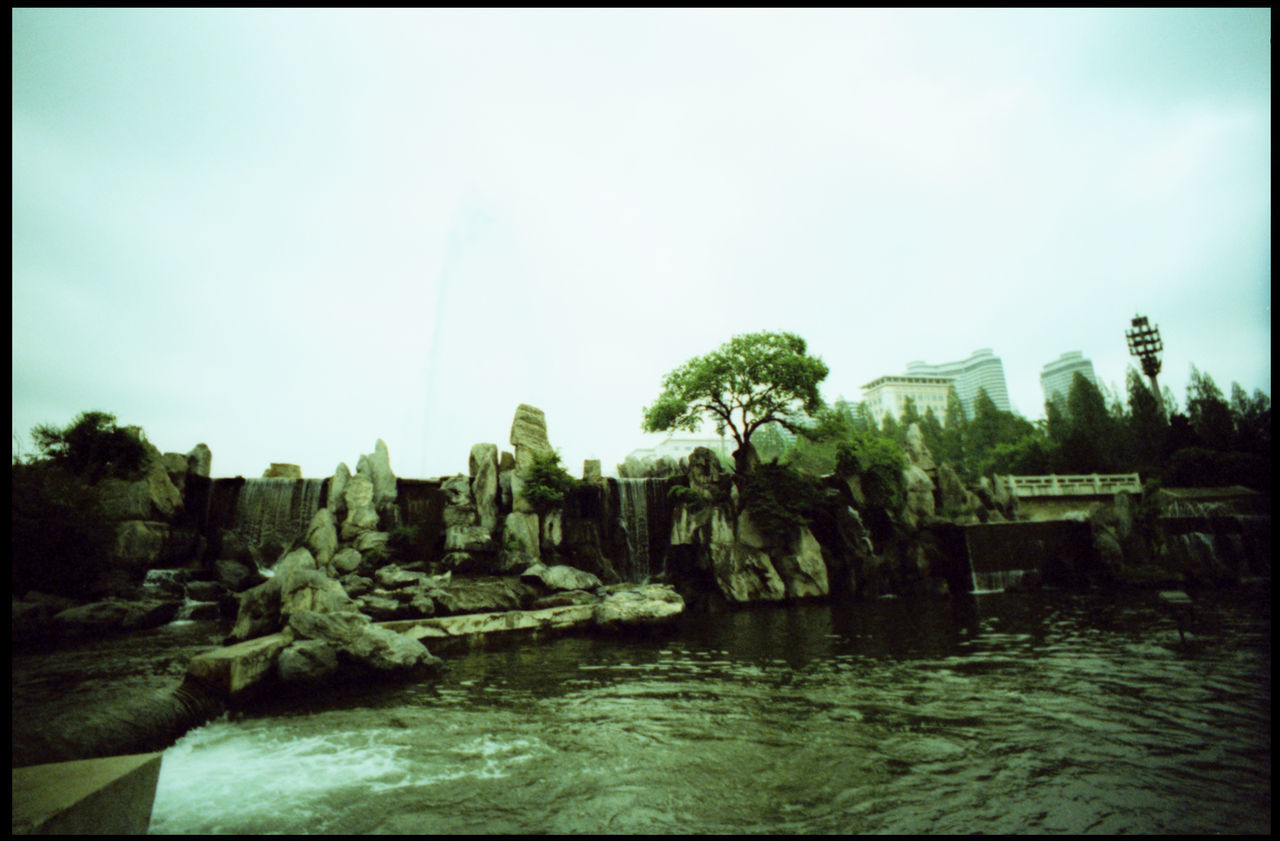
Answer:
[(749, 381)]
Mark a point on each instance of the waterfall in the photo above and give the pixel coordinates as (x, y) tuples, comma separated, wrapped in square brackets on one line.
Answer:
[(997, 581), (275, 512), (643, 515)]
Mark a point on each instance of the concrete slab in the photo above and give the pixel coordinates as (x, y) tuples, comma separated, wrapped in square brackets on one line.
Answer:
[(233, 669), (108, 796)]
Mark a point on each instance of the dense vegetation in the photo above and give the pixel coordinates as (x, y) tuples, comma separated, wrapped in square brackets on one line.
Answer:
[(1212, 442), (59, 534)]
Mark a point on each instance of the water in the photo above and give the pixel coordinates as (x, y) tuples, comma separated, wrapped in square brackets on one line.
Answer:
[(275, 511), (642, 510), (1042, 712)]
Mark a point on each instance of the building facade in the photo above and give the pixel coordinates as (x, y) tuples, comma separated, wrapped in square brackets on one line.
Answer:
[(1056, 377), (886, 394), (983, 369)]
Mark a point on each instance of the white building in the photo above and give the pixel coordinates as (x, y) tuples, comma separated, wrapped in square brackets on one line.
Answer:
[(678, 448), (1056, 376), (983, 369), (891, 393)]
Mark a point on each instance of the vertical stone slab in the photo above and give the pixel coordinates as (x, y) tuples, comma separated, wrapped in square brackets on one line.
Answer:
[(483, 467)]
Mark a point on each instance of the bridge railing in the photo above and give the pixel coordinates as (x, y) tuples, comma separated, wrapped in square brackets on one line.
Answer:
[(1087, 484)]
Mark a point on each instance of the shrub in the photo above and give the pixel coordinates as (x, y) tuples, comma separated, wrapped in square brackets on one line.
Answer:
[(779, 499), (878, 463), (92, 447), (547, 483), (61, 543)]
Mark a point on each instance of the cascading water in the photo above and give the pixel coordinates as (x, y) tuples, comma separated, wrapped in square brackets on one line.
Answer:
[(275, 512), (641, 510)]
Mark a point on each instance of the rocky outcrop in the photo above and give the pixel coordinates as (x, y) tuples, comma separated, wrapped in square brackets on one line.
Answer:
[(337, 502), (920, 507), (560, 577), (529, 436), (361, 514), (483, 468), (742, 571), (916, 450), (200, 461), (802, 568), (281, 470), (637, 606), (322, 537), (353, 635)]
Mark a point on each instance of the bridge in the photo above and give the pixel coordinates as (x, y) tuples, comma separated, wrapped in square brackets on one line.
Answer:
[(1087, 484)]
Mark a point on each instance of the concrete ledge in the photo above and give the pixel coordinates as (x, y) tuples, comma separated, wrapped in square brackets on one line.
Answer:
[(231, 670), (108, 796)]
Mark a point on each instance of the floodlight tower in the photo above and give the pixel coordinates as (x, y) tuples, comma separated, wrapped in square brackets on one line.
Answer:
[(1144, 343)]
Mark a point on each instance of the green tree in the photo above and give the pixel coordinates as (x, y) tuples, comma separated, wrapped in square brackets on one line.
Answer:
[(91, 447), (749, 381), (1252, 419), (547, 482), (1209, 412), (877, 462), (1146, 424)]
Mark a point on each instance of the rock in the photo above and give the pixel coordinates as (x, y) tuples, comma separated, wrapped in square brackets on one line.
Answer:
[(175, 464), (802, 569), (504, 490), (480, 595), (205, 591), (361, 514), (356, 585), (552, 530), (384, 481), (591, 471), (564, 598), (705, 473), (518, 501), (346, 560), (311, 589), (307, 661), (743, 573), (638, 606), (200, 460), (916, 450), (281, 470), (165, 583), (153, 497), (337, 502), (506, 461), (372, 542), (237, 576), (483, 467), (141, 543), (520, 540), (953, 497), (560, 577), (393, 577), (322, 537), (352, 634), (258, 612), (468, 539), (529, 436), (114, 615), (920, 506)]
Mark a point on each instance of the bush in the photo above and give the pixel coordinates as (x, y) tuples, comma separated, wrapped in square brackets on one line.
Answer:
[(547, 483), (61, 543), (92, 447), (878, 463), (779, 499)]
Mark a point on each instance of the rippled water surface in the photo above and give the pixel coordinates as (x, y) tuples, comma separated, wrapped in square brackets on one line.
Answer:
[(1018, 713)]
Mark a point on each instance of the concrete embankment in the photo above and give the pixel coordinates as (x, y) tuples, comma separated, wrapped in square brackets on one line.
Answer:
[(108, 796)]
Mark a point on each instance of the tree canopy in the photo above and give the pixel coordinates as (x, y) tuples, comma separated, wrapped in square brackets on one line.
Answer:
[(749, 381)]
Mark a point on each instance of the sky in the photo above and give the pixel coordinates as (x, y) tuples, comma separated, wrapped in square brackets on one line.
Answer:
[(288, 234)]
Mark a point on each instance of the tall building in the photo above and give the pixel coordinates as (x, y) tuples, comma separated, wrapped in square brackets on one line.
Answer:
[(983, 369), (1056, 376), (890, 393)]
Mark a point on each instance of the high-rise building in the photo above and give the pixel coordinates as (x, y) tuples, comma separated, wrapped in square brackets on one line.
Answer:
[(1056, 376), (886, 394), (983, 369)]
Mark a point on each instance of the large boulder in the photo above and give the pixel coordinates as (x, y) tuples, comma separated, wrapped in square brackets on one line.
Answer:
[(560, 577), (311, 589), (282, 470), (591, 471), (469, 539), (307, 662), (953, 497), (920, 505), (529, 436), (706, 476), (140, 543), (483, 469), (200, 461), (916, 449), (802, 568), (258, 613), (153, 497), (361, 514), (520, 539), (384, 481), (352, 634), (114, 615), (322, 537), (638, 606), (742, 572), (337, 502)]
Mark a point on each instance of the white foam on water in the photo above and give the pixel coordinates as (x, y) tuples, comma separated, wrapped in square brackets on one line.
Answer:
[(237, 777)]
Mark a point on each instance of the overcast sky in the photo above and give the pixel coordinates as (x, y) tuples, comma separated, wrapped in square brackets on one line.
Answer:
[(288, 234)]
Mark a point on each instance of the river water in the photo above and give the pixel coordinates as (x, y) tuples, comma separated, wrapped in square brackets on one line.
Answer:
[(1048, 712)]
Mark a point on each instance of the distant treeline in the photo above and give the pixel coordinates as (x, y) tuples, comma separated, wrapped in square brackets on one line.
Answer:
[(1211, 441)]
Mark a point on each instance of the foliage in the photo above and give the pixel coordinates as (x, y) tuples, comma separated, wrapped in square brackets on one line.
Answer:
[(59, 538), (92, 447), (779, 499), (547, 483), (1209, 412), (878, 463), (407, 543), (749, 381)]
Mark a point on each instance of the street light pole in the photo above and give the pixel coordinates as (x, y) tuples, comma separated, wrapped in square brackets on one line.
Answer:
[(1145, 343)]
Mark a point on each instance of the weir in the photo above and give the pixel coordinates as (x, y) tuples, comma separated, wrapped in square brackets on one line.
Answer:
[(267, 512), (646, 521)]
